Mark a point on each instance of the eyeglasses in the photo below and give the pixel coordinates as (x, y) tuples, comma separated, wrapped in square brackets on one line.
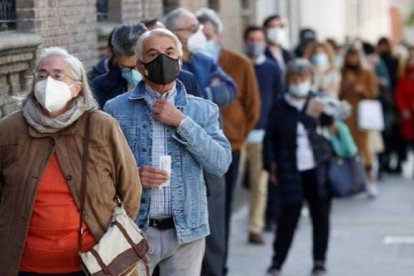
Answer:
[(192, 29), (59, 76)]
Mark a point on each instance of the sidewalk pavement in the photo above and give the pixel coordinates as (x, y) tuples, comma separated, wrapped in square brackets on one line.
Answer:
[(368, 237)]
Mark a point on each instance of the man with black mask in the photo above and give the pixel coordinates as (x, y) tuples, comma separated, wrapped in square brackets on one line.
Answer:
[(123, 75), (175, 138)]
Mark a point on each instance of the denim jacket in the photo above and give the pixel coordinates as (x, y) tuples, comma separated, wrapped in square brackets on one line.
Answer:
[(197, 145)]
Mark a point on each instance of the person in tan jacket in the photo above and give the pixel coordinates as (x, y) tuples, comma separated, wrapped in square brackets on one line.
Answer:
[(40, 172), (358, 84), (240, 117)]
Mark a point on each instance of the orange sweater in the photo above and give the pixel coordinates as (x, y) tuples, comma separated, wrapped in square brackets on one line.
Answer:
[(52, 241)]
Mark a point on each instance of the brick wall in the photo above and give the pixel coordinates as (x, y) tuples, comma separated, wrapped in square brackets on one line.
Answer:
[(122, 11), (70, 24), (17, 53)]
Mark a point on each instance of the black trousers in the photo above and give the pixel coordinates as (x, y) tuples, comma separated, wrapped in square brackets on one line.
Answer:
[(231, 182), (289, 217)]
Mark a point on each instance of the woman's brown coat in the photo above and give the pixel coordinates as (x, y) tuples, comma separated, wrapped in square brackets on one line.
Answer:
[(24, 154), (367, 83)]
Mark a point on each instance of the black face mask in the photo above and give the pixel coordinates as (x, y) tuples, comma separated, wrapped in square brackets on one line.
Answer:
[(162, 70)]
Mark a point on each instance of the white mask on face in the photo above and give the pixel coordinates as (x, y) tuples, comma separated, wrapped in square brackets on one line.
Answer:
[(277, 36), (300, 90), (53, 95), (197, 42)]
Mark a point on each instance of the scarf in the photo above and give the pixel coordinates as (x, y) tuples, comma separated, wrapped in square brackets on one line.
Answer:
[(34, 116)]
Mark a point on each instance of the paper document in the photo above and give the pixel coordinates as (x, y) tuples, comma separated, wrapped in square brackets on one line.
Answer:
[(165, 164)]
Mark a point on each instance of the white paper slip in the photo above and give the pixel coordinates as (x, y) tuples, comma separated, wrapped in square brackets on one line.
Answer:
[(165, 164), (256, 136)]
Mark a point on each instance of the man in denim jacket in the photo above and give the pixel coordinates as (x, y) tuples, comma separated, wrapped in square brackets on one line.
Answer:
[(159, 119)]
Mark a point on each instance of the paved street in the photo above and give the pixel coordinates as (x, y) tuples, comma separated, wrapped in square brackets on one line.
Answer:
[(368, 238)]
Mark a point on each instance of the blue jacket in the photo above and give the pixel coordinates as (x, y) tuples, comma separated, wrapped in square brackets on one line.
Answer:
[(205, 70), (197, 145), (269, 78), (112, 84)]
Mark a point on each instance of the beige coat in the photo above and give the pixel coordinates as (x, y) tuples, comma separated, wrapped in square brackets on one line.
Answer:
[(24, 154)]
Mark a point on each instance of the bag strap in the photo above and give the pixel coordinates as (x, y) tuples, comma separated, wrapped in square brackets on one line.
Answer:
[(84, 165), (140, 249)]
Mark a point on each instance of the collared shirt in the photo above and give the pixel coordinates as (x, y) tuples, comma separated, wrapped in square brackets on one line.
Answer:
[(304, 154), (260, 60), (161, 206)]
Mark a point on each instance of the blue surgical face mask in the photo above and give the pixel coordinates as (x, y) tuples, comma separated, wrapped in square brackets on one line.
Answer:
[(212, 49), (132, 76), (255, 49), (300, 90), (320, 60)]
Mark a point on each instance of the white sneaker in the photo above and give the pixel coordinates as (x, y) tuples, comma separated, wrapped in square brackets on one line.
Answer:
[(372, 190)]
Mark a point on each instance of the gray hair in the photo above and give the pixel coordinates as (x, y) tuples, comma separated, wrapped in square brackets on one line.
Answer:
[(125, 37), (171, 20), (299, 66), (209, 15), (77, 70), (157, 32)]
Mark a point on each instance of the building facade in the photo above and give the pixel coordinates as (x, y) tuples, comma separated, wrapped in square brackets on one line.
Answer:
[(83, 26), (80, 26)]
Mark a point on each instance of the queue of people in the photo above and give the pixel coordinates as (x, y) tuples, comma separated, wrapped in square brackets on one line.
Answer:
[(177, 120)]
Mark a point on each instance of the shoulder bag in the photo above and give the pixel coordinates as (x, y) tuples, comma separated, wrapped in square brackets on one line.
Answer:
[(123, 245)]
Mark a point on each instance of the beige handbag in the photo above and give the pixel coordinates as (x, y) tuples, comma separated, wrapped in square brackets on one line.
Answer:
[(123, 245)]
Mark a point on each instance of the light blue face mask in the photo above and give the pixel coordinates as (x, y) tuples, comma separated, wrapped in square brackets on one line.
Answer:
[(300, 90), (212, 49), (320, 60), (132, 76), (255, 49)]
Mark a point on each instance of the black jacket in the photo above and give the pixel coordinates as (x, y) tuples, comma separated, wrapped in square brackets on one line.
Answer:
[(281, 145)]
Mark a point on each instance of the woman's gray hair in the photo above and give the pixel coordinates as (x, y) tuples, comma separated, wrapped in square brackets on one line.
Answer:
[(299, 66), (157, 32), (125, 37), (77, 70), (171, 20), (209, 15)]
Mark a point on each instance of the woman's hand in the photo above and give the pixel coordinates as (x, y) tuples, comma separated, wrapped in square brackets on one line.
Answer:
[(152, 177)]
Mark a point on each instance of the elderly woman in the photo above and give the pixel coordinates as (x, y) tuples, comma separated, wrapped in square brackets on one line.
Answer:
[(40, 172), (326, 78), (299, 164)]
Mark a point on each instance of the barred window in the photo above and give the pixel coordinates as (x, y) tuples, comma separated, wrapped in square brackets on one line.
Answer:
[(102, 10), (7, 15), (214, 4), (170, 5)]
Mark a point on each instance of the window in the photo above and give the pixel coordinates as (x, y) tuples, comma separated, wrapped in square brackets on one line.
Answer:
[(7, 15), (213, 4), (101, 10), (169, 5)]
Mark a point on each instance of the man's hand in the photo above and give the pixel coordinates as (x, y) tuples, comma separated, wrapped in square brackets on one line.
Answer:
[(165, 112), (215, 81), (152, 177), (273, 174)]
